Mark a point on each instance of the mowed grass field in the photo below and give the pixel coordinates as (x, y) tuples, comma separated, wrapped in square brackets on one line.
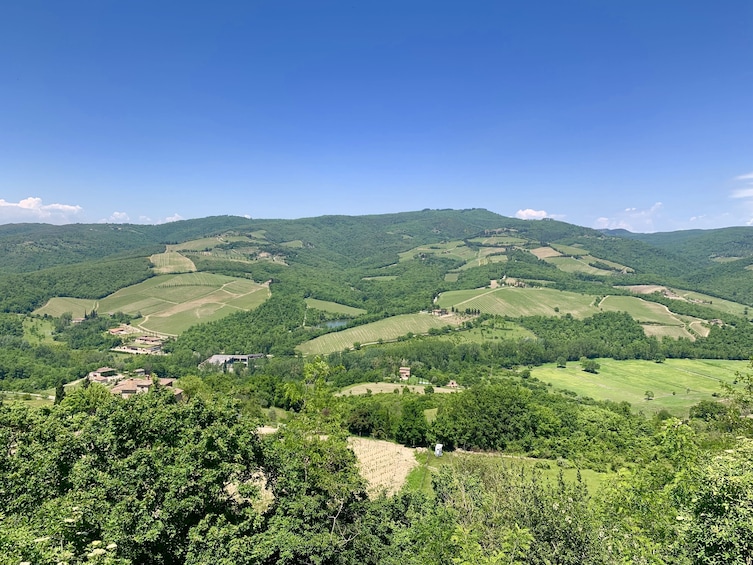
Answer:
[(513, 301), (171, 262), (169, 304), (677, 384), (656, 319), (387, 329), (58, 306), (334, 307)]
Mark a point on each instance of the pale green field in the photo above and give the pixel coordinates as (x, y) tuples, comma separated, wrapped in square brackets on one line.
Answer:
[(170, 304), (675, 332), (58, 306), (451, 277), (641, 310), (380, 278), (713, 302), (295, 244), (570, 250), (172, 262), (572, 265), (485, 260), (387, 329), (512, 301), (690, 380), (334, 307)]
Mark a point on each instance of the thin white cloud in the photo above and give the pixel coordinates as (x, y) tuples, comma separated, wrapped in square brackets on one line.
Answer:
[(530, 214), (742, 193), (174, 218), (117, 218), (32, 209), (749, 176), (631, 219)]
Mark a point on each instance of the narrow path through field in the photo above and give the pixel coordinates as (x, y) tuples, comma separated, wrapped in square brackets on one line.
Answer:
[(477, 296)]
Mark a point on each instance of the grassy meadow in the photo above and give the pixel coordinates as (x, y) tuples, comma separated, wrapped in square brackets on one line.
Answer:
[(677, 384), (386, 330), (58, 306)]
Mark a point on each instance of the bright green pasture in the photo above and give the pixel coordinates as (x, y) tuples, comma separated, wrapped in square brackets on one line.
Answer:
[(387, 329), (572, 265), (420, 477), (171, 262), (38, 330), (58, 306), (172, 303), (691, 380), (334, 307), (641, 310), (515, 302)]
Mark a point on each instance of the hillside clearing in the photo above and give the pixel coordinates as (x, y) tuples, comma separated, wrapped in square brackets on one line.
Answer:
[(516, 302), (170, 304), (386, 330), (171, 262), (334, 307), (677, 384)]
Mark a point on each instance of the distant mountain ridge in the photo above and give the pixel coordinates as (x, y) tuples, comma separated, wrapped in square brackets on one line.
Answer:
[(345, 249)]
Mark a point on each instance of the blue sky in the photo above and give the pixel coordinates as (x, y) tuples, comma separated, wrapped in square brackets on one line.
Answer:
[(603, 113)]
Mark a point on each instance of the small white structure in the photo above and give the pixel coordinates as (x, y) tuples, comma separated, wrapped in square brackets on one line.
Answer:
[(438, 450)]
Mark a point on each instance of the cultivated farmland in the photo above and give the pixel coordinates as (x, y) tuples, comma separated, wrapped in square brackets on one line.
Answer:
[(515, 302), (171, 262), (387, 329), (384, 465), (677, 384), (169, 304), (58, 306)]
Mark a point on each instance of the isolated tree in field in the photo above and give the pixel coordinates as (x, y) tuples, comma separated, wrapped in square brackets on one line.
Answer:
[(590, 365), (649, 395)]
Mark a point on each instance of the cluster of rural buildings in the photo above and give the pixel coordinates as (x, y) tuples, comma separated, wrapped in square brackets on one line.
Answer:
[(128, 386)]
